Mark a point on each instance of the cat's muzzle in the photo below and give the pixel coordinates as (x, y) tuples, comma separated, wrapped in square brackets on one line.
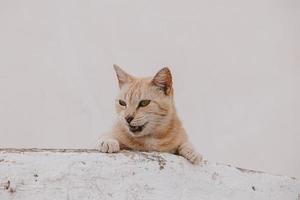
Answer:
[(136, 129)]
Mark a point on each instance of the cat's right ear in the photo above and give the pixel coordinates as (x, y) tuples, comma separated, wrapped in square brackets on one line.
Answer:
[(163, 80), (123, 77)]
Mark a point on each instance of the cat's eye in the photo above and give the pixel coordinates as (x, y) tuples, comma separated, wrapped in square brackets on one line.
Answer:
[(122, 103), (144, 103)]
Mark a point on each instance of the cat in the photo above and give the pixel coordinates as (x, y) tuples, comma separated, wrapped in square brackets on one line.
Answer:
[(147, 118)]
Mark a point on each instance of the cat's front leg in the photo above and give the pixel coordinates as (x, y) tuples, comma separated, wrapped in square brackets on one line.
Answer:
[(108, 144), (186, 150)]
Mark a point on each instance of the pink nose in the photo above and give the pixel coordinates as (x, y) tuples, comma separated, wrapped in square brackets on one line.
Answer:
[(129, 119)]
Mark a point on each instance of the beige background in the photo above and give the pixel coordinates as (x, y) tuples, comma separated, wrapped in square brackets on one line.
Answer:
[(235, 64)]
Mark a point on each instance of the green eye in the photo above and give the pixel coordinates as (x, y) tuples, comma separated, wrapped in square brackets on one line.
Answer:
[(144, 103), (122, 103)]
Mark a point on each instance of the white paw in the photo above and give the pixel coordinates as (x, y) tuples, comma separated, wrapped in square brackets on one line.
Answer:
[(108, 145), (186, 150)]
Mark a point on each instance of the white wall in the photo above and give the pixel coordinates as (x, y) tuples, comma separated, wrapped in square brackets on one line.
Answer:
[(235, 64)]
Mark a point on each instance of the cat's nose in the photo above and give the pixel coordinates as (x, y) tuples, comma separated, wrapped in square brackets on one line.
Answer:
[(128, 119)]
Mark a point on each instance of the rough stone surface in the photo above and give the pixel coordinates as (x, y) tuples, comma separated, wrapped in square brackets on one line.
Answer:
[(37, 174)]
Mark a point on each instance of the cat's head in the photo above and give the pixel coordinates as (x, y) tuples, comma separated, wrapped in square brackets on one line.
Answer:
[(144, 105)]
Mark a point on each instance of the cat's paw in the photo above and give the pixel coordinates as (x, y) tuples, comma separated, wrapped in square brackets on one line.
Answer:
[(108, 145), (186, 150)]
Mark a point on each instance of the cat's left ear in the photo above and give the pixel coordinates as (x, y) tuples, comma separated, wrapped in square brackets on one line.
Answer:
[(123, 77), (163, 80)]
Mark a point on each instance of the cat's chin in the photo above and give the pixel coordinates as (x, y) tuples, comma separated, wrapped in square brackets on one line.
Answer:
[(138, 134)]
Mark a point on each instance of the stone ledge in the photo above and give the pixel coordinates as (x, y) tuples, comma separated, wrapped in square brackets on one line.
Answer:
[(77, 174)]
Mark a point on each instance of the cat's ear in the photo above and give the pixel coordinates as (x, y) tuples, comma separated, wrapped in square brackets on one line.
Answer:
[(123, 77), (163, 80)]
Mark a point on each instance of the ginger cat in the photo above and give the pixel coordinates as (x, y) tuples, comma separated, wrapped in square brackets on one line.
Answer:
[(147, 119)]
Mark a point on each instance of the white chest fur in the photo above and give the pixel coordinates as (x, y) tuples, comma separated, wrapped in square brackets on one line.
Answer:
[(152, 144)]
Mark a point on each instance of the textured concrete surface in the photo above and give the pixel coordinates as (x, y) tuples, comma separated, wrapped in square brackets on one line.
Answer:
[(87, 174)]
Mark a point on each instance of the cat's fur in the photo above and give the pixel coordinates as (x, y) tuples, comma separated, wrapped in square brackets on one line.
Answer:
[(154, 127)]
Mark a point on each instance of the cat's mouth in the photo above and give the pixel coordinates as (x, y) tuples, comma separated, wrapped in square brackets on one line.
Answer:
[(136, 129)]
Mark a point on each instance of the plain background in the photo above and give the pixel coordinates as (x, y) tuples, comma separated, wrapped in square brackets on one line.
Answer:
[(235, 66)]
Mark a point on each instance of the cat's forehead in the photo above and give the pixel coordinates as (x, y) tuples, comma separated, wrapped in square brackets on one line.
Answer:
[(137, 90)]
